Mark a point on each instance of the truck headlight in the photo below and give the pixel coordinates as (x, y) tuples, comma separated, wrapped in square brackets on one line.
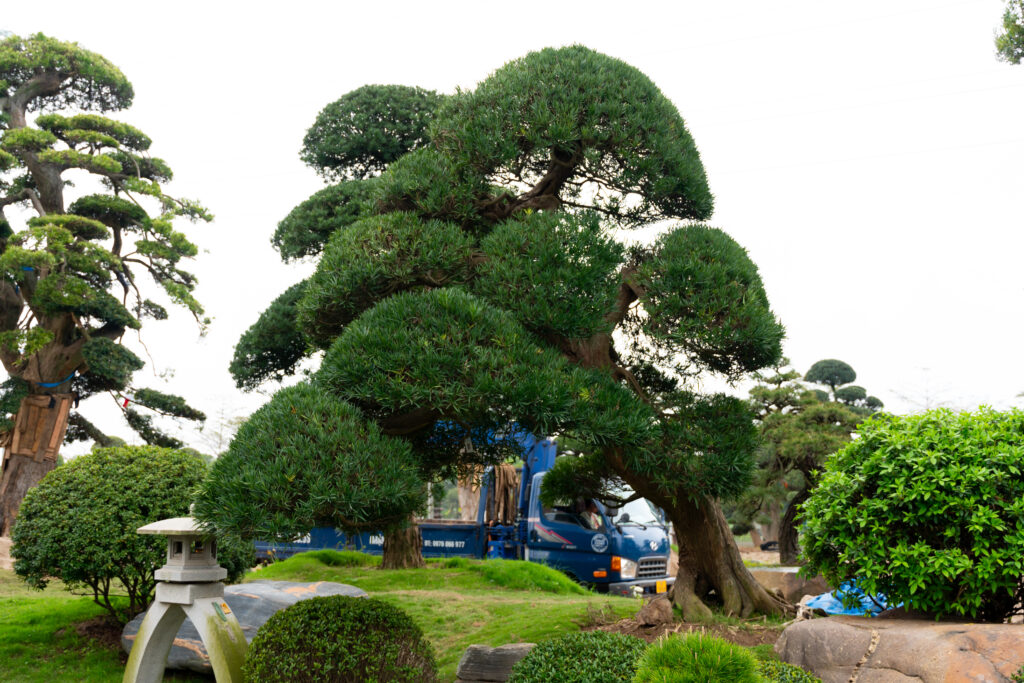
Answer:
[(628, 569)]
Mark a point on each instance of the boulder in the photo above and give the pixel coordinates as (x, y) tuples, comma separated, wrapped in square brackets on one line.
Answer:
[(483, 664), (252, 603), (845, 648), (787, 583), (656, 612)]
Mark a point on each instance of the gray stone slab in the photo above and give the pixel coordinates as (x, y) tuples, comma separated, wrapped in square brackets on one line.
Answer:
[(483, 664)]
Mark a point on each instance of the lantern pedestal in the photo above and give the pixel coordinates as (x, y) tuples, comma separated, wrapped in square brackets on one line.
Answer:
[(187, 586)]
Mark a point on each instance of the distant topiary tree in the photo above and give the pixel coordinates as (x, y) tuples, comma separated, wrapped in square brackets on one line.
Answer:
[(79, 524), (70, 282), (837, 376)]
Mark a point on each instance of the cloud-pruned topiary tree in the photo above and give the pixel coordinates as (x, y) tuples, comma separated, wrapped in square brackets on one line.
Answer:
[(481, 290), (70, 283)]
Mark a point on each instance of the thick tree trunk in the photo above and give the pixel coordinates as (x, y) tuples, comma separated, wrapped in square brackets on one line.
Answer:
[(31, 451), (21, 473), (789, 548), (710, 561), (403, 549)]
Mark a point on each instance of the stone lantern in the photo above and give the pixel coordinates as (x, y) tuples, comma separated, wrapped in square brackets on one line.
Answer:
[(189, 585)]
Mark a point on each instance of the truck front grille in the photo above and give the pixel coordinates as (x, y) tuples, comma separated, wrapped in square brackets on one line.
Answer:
[(650, 567)]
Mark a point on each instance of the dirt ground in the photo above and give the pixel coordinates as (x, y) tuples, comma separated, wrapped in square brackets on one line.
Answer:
[(746, 634)]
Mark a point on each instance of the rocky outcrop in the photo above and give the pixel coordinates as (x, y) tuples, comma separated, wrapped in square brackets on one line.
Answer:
[(482, 664), (844, 649), (788, 583), (253, 603)]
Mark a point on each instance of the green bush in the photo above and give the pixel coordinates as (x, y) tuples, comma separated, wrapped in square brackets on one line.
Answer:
[(339, 639), (589, 657), (696, 658), (927, 510), (774, 671), (79, 524)]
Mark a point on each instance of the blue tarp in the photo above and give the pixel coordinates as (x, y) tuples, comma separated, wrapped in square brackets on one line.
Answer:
[(833, 602)]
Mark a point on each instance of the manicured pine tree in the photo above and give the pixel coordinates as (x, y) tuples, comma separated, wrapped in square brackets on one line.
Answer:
[(475, 286), (69, 281)]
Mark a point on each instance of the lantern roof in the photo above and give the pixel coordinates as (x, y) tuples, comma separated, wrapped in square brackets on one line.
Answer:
[(176, 526)]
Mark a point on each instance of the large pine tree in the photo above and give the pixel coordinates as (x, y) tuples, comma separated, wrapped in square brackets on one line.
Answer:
[(69, 287), (477, 284)]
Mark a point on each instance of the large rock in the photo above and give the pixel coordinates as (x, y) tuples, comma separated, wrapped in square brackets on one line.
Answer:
[(788, 583), (844, 648), (482, 664), (656, 612), (253, 603)]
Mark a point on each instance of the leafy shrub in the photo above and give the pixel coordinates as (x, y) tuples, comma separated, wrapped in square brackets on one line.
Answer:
[(339, 639), (927, 510), (697, 658), (774, 671), (79, 524), (588, 657)]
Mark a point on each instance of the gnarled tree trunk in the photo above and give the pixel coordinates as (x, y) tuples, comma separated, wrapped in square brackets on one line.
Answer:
[(789, 548), (31, 450), (710, 561), (403, 548)]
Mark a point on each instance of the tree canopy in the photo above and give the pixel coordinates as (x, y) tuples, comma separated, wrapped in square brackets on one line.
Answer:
[(475, 287), (70, 281), (1010, 40)]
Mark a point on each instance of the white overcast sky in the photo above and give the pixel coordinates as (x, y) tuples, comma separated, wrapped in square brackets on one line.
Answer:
[(869, 155)]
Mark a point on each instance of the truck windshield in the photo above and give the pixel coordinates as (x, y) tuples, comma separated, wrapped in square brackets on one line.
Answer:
[(640, 512)]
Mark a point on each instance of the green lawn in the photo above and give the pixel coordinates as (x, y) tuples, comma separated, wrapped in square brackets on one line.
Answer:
[(467, 602), (38, 641), (471, 603)]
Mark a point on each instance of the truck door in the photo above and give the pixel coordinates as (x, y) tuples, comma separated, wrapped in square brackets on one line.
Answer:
[(560, 536)]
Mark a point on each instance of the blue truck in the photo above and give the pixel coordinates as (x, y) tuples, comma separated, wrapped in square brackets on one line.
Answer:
[(617, 550)]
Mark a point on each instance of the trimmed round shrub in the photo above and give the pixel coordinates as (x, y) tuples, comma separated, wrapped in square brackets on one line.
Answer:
[(79, 524), (588, 657), (696, 658), (927, 510), (774, 671), (338, 639)]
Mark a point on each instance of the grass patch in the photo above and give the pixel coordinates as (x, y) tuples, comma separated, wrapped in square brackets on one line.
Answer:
[(460, 602), (39, 643), (519, 575)]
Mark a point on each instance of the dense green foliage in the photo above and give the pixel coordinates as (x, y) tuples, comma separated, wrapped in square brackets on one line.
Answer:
[(309, 459), (477, 291), (79, 524), (591, 657), (1010, 41), (774, 671), (338, 639), (305, 230), (70, 280), (598, 114), (363, 131), (273, 346), (927, 510), (696, 658)]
